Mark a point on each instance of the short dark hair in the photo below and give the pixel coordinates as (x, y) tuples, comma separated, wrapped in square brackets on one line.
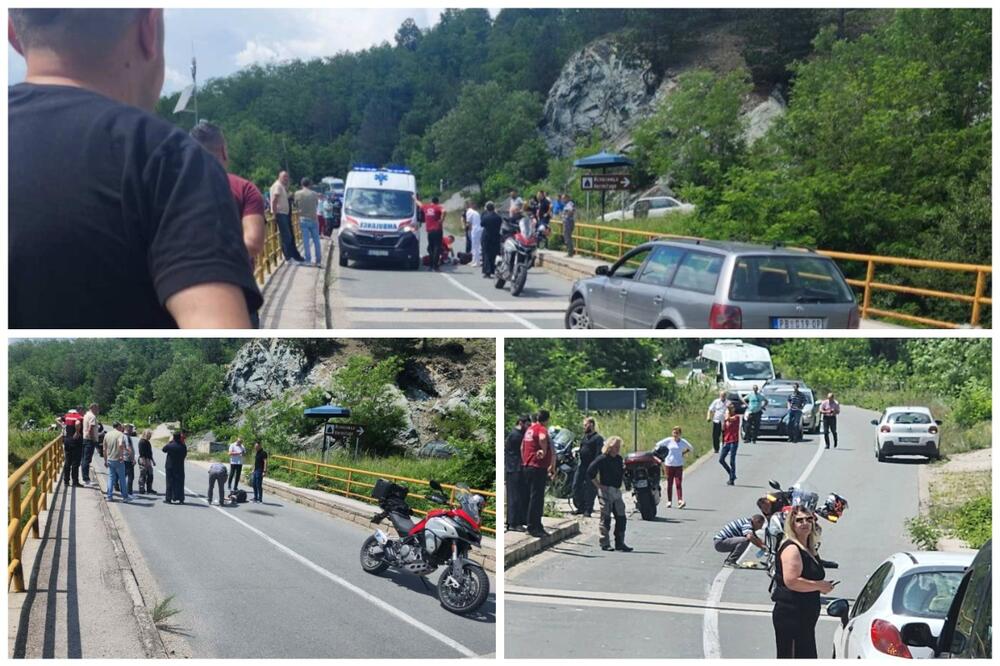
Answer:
[(209, 136), (306, 182), (434, 200), (85, 32), (543, 415), (490, 207)]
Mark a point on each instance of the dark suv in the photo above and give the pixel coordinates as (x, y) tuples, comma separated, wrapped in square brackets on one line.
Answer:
[(968, 630)]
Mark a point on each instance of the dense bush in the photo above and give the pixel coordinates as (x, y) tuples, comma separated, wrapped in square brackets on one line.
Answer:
[(974, 521)]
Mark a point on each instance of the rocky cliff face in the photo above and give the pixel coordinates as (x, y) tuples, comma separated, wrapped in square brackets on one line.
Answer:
[(598, 89), (430, 384)]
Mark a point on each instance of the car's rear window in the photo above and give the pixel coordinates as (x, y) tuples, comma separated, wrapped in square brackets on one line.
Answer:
[(788, 279), (909, 418), (698, 271), (926, 594)]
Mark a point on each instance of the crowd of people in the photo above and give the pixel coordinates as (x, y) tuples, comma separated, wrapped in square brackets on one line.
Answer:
[(123, 450)]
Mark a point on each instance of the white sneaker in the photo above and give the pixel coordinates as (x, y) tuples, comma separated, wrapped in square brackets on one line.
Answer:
[(670, 504), (681, 504)]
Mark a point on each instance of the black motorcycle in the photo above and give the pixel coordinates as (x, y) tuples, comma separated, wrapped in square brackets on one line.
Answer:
[(642, 476), (567, 460)]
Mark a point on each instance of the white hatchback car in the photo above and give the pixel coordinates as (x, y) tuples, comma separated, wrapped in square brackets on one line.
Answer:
[(649, 207), (908, 431), (914, 584)]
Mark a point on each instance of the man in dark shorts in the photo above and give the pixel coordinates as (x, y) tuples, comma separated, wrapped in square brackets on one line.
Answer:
[(106, 199)]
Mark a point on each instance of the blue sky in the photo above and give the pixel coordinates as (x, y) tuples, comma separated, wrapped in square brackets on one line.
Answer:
[(226, 40)]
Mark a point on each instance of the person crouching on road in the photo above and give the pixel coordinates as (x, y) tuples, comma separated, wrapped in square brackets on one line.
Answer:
[(606, 474), (677, 447), (798, 584), (217, 477), (737, 536), (730, 442), (176, 451)]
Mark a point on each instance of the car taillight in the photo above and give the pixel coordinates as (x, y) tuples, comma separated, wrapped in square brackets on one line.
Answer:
[(885, 428), (886, 639), (725, 316), (932, 430), (854, 319)]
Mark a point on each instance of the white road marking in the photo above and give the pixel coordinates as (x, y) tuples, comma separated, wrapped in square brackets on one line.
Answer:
[(711, 644), (430, 631), (520, 320)]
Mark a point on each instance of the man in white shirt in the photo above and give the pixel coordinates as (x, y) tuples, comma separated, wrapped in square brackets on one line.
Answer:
[(236, 452), (516, 203), (717, 414), (474, 229)]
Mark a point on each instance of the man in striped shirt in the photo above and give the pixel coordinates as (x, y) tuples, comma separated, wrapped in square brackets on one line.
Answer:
[(796, 401), (737, 535)]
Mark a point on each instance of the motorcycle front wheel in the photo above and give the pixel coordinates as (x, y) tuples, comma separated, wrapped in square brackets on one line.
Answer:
[(466, 595), (520, 277), (372, 559)]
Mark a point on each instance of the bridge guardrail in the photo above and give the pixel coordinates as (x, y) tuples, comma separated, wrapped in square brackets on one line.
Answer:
[(271, 257), (317, 470), (614, 241), (41, 472)]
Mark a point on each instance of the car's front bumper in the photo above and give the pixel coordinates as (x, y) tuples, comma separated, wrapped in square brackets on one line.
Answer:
[(396, 247)]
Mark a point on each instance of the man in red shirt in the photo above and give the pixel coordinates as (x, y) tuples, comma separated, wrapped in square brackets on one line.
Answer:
[(434, 226), (538, 465)]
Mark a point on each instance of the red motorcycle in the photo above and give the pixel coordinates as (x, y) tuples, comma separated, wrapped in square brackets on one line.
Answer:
[(443, 538), (642, 475)]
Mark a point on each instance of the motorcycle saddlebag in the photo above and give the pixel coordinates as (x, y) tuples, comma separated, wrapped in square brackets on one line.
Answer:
[(385, 489)]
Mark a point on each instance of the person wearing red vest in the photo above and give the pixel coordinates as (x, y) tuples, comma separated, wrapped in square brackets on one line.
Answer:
[(434, 226), (538, 463)]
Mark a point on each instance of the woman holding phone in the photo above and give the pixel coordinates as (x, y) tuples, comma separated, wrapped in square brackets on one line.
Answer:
[(798, 580)]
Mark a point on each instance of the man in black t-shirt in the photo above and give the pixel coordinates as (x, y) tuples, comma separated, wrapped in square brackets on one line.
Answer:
[(584, 492), (491, 223), (513, 478), (107, 200), (259, 470), (606, 473)]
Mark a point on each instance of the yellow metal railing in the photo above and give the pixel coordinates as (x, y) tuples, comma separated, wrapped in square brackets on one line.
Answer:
[(350, 479), (27, 497), (271, 257), (610, 243)]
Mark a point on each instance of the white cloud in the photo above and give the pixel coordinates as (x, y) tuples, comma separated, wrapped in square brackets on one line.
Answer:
[(174, 79)]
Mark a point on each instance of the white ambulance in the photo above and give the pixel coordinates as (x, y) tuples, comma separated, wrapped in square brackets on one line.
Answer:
[(379, 219)]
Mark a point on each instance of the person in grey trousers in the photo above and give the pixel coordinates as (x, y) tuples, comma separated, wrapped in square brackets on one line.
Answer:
[(217, 474), (569, 223)]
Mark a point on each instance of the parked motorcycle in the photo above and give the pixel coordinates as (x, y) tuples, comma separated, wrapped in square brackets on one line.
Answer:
[(775, 507), (642, 476), (443, 538), (517, 255), (567, 460)]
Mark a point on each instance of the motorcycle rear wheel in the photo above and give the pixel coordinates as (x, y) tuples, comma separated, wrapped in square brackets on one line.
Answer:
[(647, 508), (373, 563), (471, 593)]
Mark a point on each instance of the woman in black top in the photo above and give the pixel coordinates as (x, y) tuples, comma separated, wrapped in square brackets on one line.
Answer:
[(798, 579)]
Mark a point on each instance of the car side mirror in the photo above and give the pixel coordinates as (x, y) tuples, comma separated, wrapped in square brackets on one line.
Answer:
[(774, 484), (603, 269), (874, 422), (777, 375), (838, 608), (937, 421), (918, 634)]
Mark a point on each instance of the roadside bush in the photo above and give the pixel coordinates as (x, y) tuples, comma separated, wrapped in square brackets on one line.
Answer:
[(923, 532), (973, 521), (974, 403), (363, 386)]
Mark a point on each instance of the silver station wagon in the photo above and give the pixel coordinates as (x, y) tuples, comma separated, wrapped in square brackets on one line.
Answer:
[(714, 284)]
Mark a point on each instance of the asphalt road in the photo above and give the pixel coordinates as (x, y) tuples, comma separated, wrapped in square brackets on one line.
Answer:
[(279, 580), (372, 295), (672, 597)]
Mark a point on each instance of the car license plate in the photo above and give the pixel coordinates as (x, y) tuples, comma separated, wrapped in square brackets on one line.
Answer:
[(798, 322), (641, 483), (909, 440), (378, 253)]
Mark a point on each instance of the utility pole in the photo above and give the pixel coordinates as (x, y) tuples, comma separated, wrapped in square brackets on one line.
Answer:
[(194, 83)]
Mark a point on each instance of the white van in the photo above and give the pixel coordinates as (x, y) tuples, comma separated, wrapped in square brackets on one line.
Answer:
[(738, 366), (379, 218)]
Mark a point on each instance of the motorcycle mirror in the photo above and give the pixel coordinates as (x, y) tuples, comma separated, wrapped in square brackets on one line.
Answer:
[(774, 484), (601, 270)]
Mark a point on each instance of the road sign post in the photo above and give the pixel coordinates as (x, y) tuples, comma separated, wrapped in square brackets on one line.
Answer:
[(615, 400)]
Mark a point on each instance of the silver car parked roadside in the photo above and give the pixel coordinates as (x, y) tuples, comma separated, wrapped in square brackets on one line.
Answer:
[(714, 284)]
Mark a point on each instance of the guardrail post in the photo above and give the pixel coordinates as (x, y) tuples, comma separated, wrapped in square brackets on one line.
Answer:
[(866, 301), (15, 538), (621, 241), (976, 305), (349, 475), (597, 240), (31, 499)]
